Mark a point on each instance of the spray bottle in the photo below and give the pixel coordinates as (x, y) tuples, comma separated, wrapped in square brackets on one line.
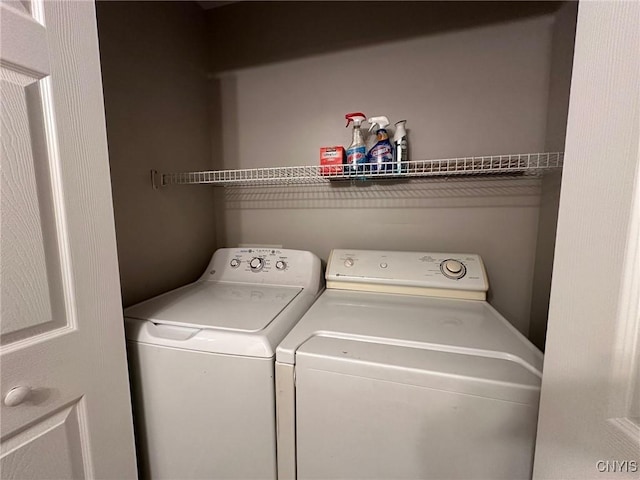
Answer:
[(401, 147), (380, 157), (357, 151)]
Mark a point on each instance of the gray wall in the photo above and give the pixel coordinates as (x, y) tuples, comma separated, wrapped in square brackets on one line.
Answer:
[(153, 58), (561, 66), (470, 78), (465, 89)]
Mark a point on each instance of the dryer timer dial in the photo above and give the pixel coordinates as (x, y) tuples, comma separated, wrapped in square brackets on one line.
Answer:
[(453, 268)]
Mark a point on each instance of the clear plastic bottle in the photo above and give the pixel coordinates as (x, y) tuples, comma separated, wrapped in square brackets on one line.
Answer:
[(357, 151)]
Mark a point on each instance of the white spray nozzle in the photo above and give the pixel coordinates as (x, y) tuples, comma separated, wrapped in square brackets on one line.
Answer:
[(382, 121), (400, 130)]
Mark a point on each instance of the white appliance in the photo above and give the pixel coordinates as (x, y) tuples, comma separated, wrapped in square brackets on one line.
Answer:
[(401, 369), (202, 364)]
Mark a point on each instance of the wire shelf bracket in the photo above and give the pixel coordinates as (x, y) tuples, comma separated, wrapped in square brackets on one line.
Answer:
[(515, 164)]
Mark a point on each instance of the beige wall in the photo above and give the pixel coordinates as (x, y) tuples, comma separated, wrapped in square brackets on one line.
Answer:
[(465, 90), (153, 57)]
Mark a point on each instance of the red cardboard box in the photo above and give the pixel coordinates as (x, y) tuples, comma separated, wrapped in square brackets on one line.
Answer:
[(331, 160)]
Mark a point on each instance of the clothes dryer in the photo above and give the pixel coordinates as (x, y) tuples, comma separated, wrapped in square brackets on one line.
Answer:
[(401, 369), (202, 364)]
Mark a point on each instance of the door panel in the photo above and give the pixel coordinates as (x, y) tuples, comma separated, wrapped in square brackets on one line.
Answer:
[(50, 448), (31, 299)]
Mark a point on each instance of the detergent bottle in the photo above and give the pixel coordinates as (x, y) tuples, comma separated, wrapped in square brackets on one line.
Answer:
[(380, 157), (357, 151)]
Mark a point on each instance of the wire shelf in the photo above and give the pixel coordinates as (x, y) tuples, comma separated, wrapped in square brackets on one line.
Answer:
[(518, 164)]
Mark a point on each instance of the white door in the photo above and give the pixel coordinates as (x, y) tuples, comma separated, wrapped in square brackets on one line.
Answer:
[(65, 402), (589, 423)]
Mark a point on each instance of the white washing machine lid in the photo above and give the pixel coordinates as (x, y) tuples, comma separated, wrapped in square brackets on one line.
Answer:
[(217, 305), (469, 327)]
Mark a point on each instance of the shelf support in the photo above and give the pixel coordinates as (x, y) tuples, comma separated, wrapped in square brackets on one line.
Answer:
[(156, 179)]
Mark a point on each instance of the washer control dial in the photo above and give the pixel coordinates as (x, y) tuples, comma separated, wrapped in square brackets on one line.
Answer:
[(348, 262), (281, 265), (454, 269), (235, 263), (256, 264)]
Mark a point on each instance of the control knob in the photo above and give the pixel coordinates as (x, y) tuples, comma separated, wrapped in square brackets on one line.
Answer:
[(348, 262), (256, 264), (235, 263), (453, 269), (281, 265)]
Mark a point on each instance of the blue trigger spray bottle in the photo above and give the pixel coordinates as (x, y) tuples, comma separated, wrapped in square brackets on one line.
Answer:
[(380, 157)]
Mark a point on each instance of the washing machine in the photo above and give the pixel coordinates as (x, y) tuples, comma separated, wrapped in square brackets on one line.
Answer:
[(201, 361), (401, 369)]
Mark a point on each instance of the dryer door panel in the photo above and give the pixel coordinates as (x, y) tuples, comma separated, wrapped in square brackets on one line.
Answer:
[(359, 418)]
